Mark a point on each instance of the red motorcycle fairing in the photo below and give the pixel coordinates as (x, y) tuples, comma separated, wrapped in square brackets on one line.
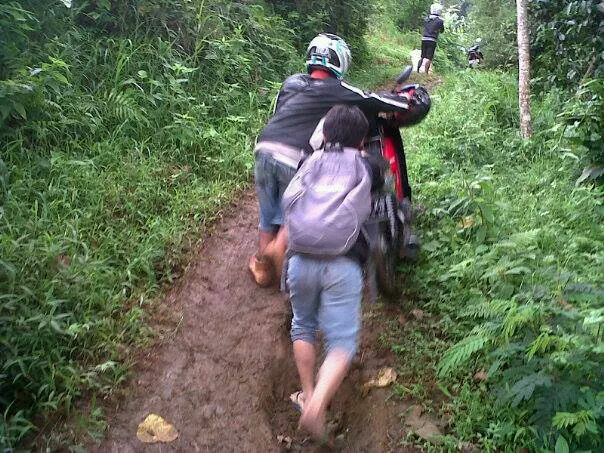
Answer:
[(391, 156)]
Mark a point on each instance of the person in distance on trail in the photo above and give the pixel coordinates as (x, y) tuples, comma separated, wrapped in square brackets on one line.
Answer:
[(328, 250), (302, 102), (433, 26), (475, 56)]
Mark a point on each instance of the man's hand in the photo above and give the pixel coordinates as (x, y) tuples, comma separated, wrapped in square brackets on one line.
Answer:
[(399, 92)]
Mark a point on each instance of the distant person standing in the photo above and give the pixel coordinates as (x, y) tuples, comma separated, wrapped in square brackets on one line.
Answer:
[(475, 56), (433, 26)]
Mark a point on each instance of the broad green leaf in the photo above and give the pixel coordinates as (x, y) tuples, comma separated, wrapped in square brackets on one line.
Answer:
[(561, 445), (20, 110)]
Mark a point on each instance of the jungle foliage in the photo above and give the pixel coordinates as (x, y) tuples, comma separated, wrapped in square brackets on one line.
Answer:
[(515, 250), (126, 125), (346, 18), (123, 125)]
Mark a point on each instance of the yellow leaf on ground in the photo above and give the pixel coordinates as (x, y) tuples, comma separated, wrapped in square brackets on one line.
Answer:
[(156, 429), (385, 377), (468, 222)]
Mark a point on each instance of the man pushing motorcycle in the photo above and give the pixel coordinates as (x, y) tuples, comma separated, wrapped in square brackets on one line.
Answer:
[(302, 102)]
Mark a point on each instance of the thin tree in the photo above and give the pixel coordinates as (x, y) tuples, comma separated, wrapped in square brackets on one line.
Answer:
[(524, 69)]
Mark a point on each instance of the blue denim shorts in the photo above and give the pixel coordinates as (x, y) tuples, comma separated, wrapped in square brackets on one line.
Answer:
[(325, 294), (272, 178)]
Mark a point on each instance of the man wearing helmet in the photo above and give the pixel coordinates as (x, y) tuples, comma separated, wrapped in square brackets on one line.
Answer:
[(475, 56), (433, 26), (302, 102)]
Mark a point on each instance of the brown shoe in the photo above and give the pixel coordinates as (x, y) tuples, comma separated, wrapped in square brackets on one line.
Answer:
[(262, 271)]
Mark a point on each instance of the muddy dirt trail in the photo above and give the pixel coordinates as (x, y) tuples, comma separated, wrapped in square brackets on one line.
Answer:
[(223, 374)]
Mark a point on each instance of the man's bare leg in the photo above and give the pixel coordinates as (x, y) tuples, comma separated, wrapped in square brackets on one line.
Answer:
[(275, 251), (264, 238), (428, 64), (305, 356), (330, 377)]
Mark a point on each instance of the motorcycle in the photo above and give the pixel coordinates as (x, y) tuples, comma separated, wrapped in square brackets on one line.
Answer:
[(389, 227), (475, 56)]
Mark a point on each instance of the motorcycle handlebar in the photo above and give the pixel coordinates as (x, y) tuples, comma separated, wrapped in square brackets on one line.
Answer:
[(403, 76)]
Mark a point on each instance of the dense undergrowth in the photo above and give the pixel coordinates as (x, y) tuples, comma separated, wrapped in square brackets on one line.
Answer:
[(512, 268), (513, 259), (116, 142)]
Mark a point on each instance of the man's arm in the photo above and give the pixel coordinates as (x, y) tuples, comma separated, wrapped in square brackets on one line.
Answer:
[(368, 100)]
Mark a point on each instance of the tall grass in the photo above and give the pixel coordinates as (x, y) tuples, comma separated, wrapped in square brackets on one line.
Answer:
[(512, 266), (122, 144), (511, 350)]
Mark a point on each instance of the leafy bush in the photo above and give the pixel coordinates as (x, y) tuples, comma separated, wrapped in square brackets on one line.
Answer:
[(470, 138), (348, 19), (495, 24), (453, 44), (581, 123), (409, 15), (568, 40), (514, 257), (123, 128)]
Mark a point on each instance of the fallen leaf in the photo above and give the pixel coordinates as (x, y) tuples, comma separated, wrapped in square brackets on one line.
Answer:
[(415, 412), (468, 447), (402, 320), (63, 261), (467, 222), (385, 377), (285, 440), (428, 431), (155, 429), (417, 313), (422, 426), (480, 376)]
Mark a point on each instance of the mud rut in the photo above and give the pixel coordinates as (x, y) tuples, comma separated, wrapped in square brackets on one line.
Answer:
[(223, 373)]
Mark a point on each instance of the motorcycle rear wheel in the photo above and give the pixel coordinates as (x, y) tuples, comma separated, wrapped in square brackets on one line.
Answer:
[(386, 259)]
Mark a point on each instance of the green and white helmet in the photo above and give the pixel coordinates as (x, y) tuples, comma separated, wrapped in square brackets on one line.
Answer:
[(327, 51)]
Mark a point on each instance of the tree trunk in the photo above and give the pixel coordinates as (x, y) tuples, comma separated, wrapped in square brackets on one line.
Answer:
[(524, 70)]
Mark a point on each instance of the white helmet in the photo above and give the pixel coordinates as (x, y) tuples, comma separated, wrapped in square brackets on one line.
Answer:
[(329, 52), (436, 9)]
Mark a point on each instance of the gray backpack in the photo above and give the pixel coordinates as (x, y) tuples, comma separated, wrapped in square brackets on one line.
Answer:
[(327, 202)]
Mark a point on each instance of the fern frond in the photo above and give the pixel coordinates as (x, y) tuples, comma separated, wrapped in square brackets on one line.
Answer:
[(124, 106), (461, 352), (490, 309), (518, 318), (541, 344), (580, 421), (524, 388)]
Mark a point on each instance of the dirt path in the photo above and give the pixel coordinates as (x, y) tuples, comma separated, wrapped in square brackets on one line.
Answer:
[(224, 375)]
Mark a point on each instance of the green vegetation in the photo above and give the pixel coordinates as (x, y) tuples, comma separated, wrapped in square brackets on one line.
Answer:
[(346, 18), (511, 349), (512, 267), (122, 130), (126, 126)]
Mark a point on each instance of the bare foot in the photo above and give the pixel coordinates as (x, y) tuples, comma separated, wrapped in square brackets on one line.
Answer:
[(261, 270), (313, 422)]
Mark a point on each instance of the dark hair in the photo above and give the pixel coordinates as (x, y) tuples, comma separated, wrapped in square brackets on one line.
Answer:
[(346, 125)]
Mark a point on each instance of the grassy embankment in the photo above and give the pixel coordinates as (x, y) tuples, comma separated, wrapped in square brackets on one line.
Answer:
[(511, 271), (120, 145)]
